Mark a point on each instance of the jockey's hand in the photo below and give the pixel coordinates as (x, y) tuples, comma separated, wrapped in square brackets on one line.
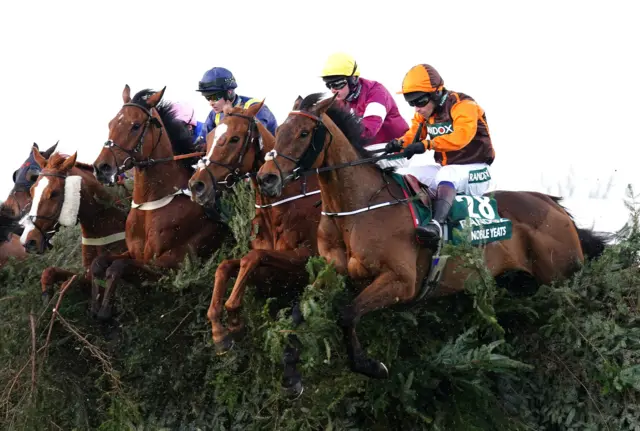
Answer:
[(413, 149), (394, 146)]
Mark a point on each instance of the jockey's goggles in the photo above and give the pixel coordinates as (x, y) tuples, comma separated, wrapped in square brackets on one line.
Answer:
[(214, 97), (421, 101), (338, 85)]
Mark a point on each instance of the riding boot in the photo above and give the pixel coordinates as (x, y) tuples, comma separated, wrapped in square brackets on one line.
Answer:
[(431, 233)]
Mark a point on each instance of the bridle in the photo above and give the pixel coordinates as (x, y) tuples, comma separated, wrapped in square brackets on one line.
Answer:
[(48, 234), (151, 120), (307, 159), (252, 137)]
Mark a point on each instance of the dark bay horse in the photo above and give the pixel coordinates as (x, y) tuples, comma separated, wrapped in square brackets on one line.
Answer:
[(65, 193), (9, 242), (163, 224), (285, 228), (19, 199), (378, 249)]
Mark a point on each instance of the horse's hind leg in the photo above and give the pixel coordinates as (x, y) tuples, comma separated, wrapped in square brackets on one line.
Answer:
[(388, 289), (291, 379)]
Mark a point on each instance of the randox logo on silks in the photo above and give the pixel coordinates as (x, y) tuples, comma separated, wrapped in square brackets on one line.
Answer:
[(439, 129), (479, 176)]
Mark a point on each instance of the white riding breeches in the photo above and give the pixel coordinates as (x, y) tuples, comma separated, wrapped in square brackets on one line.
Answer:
[(397, 163), (473, 179)]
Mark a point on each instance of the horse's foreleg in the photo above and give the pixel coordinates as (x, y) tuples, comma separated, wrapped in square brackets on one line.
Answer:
[(98, 272), (51, 276), (220, 335), (288, 262), (387, 289), (129, 269)]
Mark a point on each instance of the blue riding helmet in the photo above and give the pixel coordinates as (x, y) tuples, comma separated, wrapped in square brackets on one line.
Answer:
[(216, 80)]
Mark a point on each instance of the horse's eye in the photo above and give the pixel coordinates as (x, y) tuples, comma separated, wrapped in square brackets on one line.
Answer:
[(304, 134), (234, 140), (55, 193), (135, 126)]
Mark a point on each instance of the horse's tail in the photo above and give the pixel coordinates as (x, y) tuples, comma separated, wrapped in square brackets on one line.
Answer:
[(592, 244)]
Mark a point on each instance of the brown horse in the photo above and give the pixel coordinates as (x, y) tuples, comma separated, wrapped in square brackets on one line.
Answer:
[(286, 228), (163, 224), (378, 248), (65, 193)]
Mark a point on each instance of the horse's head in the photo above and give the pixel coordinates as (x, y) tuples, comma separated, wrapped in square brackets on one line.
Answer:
[(18, 202), (134, 134), (55, 201), (233, 151), (300, 143)]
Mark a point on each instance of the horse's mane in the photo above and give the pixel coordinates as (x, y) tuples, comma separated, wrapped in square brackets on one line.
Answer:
[(179, 135), (345, 120)]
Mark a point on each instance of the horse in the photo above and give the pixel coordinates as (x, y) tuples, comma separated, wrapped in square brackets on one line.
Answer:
[(366, 237), (285, 229), (164, 224), (19, 199), (65, 193), (9, 241)]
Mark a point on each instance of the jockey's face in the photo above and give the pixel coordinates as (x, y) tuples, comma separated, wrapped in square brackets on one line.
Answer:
[(427, 109), (340, 87), (217, 102)]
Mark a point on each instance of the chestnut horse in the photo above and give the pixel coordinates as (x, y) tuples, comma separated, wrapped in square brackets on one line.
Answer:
[(65, 193), (163, 224), (285, 228), (378, 248), (15, 207)]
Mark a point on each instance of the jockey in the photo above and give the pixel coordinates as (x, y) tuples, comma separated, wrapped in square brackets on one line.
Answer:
[(218, 87), (455, 128), (184, 112), (369, 100)]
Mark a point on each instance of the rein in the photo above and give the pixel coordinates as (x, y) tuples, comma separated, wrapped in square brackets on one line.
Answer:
[(151, 120)]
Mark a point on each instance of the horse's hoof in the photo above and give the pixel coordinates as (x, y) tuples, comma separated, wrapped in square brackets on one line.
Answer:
[(293, 392), (104, 314), (224, 346), (372, 368)]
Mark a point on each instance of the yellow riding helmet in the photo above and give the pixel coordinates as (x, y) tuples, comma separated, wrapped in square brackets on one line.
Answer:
[(340, 64)]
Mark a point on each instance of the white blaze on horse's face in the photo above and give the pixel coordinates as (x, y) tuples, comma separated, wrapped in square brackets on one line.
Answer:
[(37, 196), (220, 130)]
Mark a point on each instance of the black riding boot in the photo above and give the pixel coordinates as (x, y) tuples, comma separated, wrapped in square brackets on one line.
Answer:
[(430, 234)]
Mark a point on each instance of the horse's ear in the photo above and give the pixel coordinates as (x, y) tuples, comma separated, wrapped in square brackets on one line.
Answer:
[(126, 94), (50, 151), (296, 104), (40, 160), (226, 109), (69, 162), (253, 110), (36, 145), (155, 98), (321, 107)]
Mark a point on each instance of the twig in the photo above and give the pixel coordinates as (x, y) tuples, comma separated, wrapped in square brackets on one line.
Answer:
[(32, 321), (7, 298), (176, 328), (54, 312)]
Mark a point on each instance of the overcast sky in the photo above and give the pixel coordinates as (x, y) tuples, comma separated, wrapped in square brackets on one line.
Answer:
[(559, 80)]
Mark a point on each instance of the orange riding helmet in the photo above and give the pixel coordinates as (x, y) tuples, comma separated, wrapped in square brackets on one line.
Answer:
[(420, 80)]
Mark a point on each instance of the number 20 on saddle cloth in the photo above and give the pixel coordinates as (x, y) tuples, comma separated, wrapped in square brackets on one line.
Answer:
[(474, 216)]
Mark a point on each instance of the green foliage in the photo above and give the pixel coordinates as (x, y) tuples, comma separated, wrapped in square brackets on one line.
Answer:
[(565, 358)]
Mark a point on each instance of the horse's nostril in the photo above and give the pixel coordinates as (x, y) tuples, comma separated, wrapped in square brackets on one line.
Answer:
[(104, 167), (31, 245), (269, 179)]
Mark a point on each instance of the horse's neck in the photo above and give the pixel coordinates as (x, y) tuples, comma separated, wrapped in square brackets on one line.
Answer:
[(161, 179), (98, 215), (348, 188)]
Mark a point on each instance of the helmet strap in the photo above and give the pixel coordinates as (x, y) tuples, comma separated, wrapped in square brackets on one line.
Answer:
[(354, 88)]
